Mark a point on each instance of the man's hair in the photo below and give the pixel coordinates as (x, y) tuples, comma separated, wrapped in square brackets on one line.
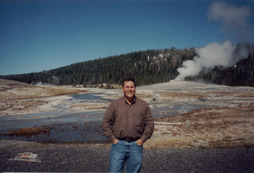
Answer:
[(127, 80)]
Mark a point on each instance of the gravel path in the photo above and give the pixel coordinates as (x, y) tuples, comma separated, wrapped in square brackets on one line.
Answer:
[(88, 158)]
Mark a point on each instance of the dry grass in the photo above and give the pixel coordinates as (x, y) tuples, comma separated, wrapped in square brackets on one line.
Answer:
[(234, 94), (29, 131), (37, 92), (90, 106), (12, 90), (230, 124), (174, 95), (222, 126), (20, 105), (19, 98), (210, 127), (190, 95)]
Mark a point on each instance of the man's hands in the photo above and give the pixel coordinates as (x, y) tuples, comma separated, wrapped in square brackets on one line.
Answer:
[(140, 142), (115, 141)]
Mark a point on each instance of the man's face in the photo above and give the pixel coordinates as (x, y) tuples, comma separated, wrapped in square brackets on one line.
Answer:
[(129, 89)]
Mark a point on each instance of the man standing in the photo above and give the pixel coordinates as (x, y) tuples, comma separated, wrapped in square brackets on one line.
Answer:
[(128, 122)]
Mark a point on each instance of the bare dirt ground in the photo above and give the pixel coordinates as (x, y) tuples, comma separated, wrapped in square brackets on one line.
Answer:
[(223, 117)]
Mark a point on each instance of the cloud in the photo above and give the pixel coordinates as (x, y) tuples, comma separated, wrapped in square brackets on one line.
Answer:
[(235, 20)]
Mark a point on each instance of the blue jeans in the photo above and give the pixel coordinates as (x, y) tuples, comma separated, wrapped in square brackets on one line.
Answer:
[(126, 152)]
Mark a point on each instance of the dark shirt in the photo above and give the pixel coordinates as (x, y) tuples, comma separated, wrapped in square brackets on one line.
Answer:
[(122, 120)]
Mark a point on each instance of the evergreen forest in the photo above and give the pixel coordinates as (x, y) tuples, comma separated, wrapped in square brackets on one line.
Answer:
[(146, 67)]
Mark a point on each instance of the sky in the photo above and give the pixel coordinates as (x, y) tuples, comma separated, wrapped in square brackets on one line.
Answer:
[(37, 35)]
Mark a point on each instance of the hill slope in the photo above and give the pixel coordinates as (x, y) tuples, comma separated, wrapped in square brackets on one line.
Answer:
[(147, 67)]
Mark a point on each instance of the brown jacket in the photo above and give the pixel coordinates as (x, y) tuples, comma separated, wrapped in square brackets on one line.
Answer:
[(122, 120)]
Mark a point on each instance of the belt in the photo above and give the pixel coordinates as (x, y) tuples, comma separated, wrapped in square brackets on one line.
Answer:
[(128, 139)]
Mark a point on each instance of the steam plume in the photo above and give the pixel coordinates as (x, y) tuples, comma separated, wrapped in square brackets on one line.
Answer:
[(212, 55), (235, 21)]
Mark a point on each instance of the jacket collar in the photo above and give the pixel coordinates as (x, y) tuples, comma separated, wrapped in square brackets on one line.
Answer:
[(133, 100)]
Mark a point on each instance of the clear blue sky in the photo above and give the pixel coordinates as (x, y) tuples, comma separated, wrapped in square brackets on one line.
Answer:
[(41, 35)]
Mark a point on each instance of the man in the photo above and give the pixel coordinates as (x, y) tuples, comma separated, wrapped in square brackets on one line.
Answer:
[(128, 122)]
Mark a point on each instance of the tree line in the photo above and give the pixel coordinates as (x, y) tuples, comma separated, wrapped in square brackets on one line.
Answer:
[(147, 67)]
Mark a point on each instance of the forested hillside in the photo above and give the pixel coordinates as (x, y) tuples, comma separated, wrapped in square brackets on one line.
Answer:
[(147, 67), (241, 74)]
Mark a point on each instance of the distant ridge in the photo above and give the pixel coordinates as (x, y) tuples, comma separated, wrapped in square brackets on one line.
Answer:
[(147, 67)]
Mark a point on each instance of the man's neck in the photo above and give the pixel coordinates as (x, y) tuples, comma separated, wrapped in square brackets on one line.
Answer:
[(129, 100)]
